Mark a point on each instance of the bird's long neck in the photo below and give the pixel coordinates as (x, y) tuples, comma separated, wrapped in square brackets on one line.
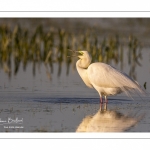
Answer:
[(83, 73), (81, 70)]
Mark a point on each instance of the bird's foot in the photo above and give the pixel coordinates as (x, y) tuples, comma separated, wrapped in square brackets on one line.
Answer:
[(105, 107), (101, 106)]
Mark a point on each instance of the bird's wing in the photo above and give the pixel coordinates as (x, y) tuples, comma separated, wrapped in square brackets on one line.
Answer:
[(104, 75)]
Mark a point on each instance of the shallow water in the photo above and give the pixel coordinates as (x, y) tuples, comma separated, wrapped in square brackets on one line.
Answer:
[(59, 104), (45, 114)]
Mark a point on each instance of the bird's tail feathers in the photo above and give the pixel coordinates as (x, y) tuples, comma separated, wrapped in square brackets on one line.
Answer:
[(127, 85)]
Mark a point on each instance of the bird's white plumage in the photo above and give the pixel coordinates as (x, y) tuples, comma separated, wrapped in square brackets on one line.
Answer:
[(106, 79), (109, 80)]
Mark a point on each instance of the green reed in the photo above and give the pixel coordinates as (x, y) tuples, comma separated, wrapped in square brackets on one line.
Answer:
[(21, 46)]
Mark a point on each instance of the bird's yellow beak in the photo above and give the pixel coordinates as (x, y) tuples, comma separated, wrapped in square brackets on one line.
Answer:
[(75, 52), (80, 54)]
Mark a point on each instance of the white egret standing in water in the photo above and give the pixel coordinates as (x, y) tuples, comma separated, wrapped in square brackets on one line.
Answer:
[(106, 79)]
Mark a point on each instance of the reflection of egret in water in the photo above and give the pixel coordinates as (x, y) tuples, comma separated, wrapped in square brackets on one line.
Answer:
[(107, 121), (105, 79)]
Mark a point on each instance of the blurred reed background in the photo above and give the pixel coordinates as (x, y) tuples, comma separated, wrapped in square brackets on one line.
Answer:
[(46, 41)]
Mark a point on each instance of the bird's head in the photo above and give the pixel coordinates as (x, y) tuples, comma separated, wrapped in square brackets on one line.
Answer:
[(85, 58), (83, 55)]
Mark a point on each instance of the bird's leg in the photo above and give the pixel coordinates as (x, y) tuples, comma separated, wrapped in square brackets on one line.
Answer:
[(106, 101), (101, 103)]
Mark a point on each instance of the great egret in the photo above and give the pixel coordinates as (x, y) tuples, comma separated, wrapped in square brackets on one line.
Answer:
[(106, 79)]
